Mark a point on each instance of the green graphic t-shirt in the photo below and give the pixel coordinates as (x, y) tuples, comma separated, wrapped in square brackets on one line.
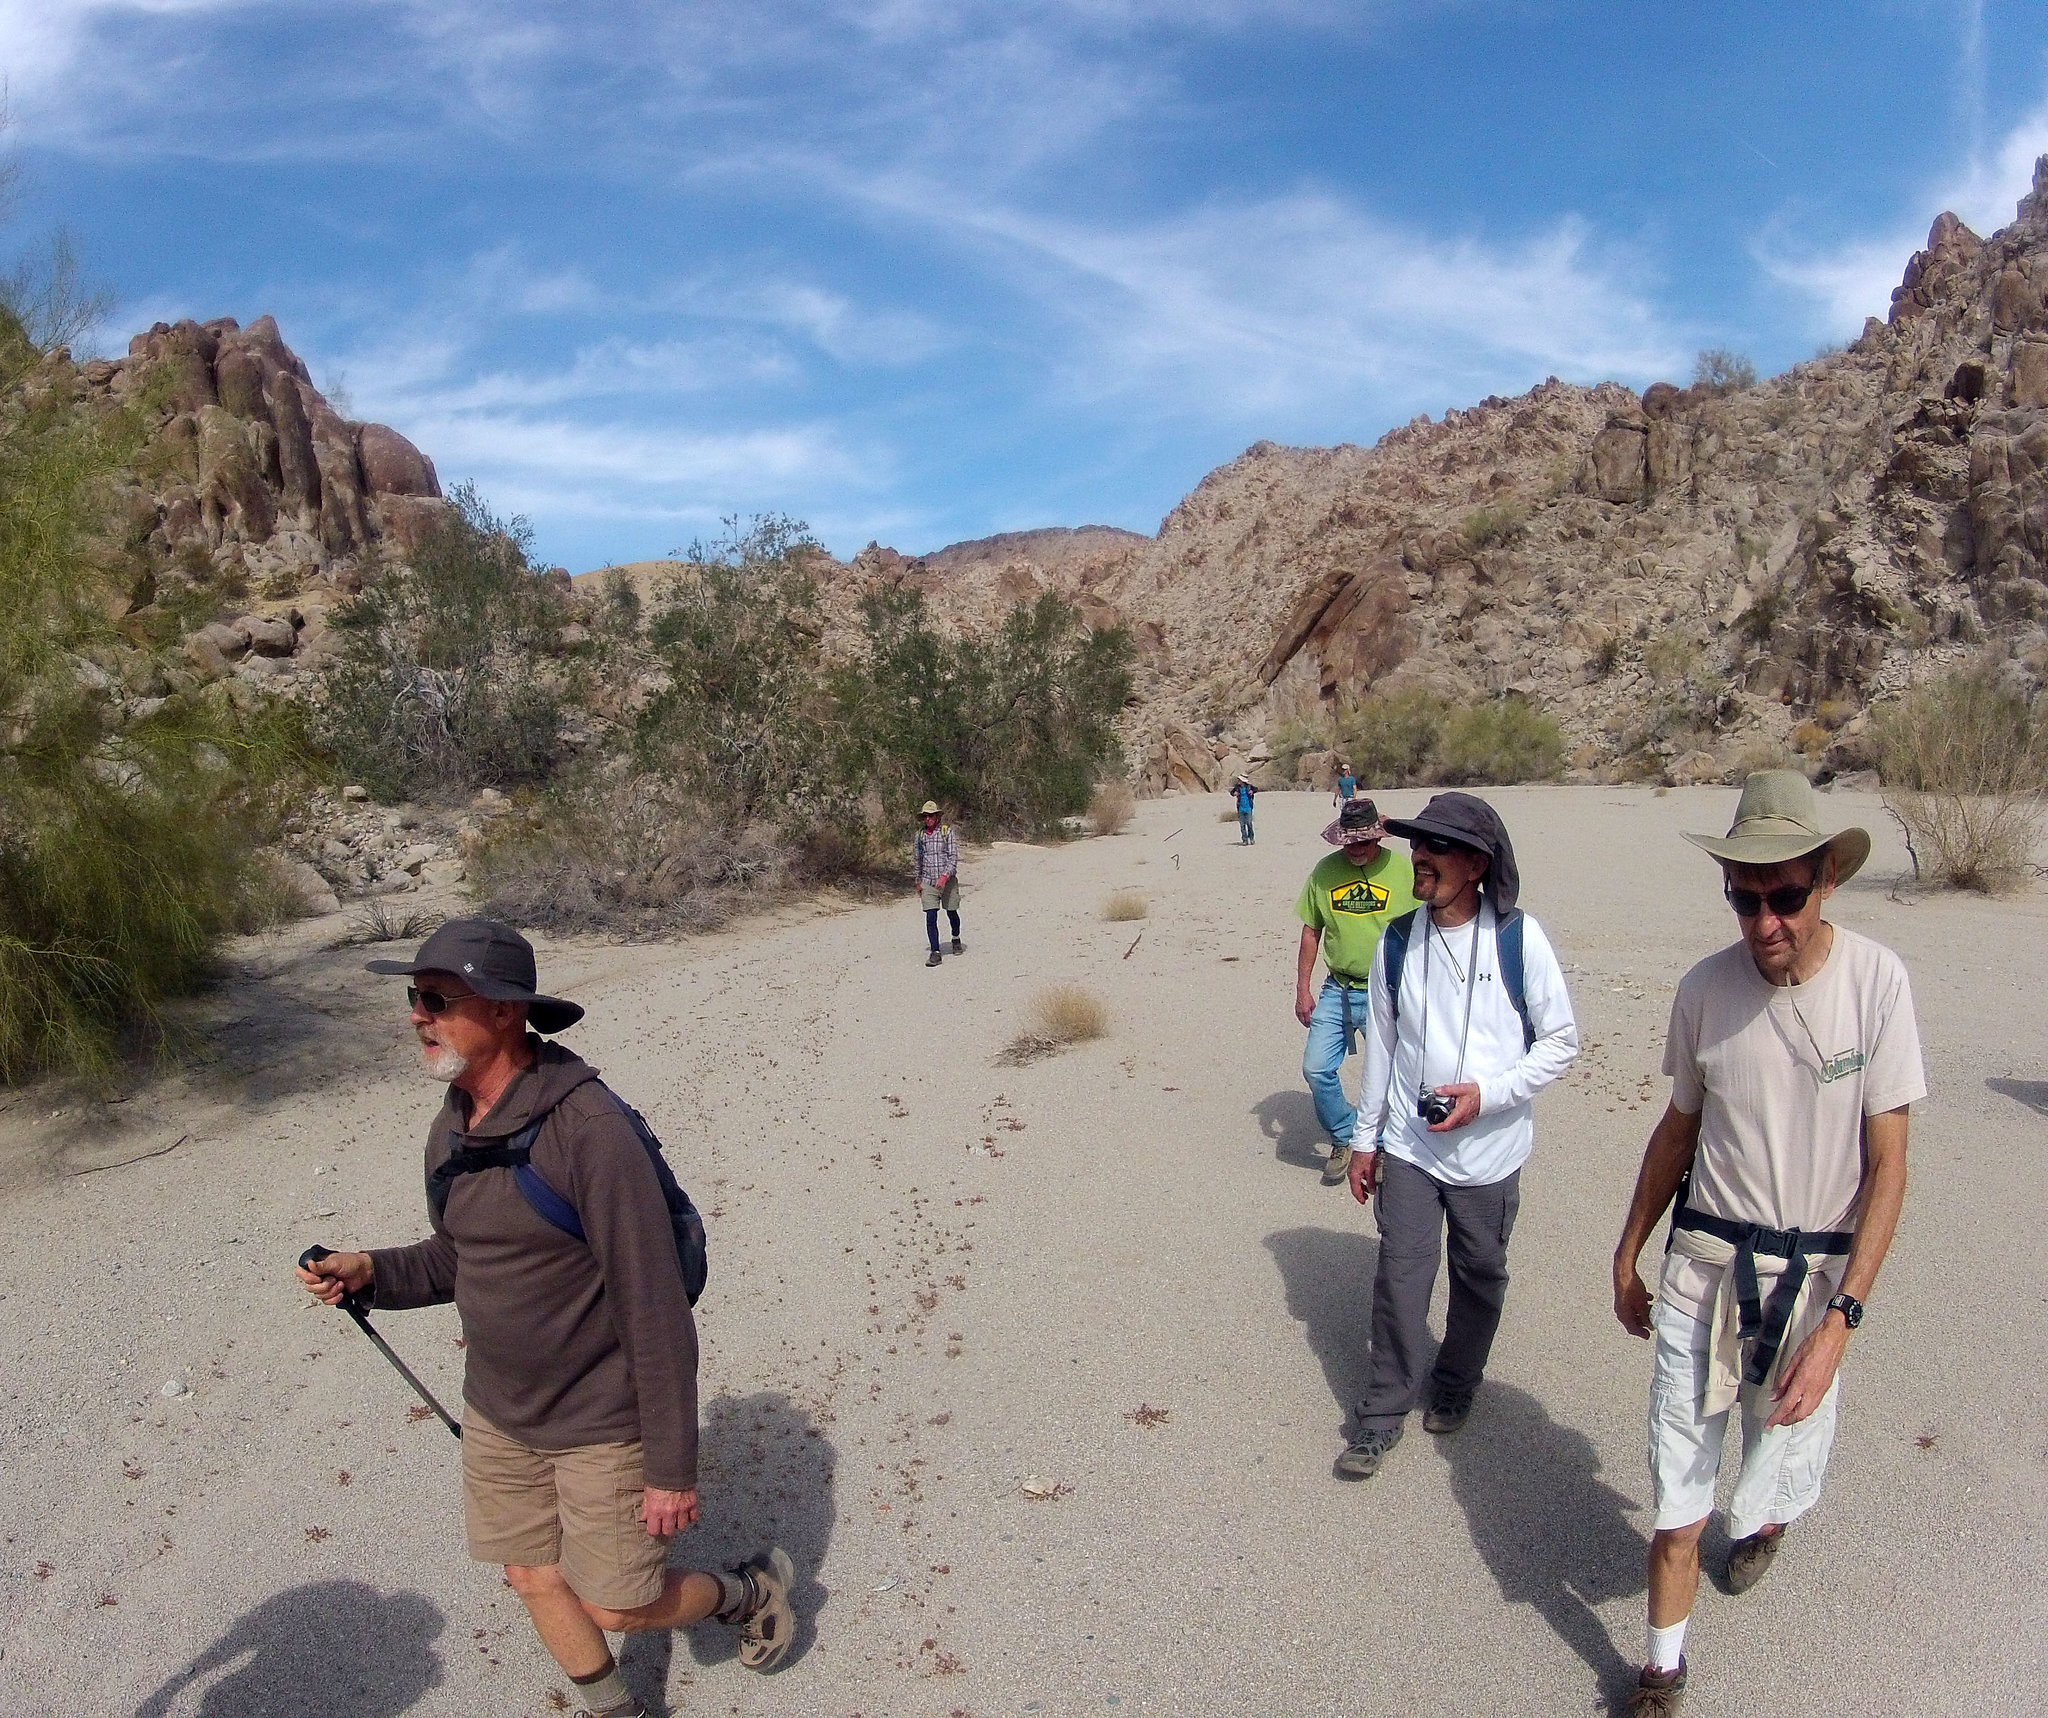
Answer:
[(1351, 905)]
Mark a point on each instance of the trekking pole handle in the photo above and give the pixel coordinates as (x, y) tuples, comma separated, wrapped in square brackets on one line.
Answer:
[(312, 1256)]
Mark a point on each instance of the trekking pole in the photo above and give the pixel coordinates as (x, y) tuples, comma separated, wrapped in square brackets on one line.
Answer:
[(354, 1308)]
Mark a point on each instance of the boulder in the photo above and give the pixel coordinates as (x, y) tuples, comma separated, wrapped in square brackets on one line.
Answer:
[(298, 469), (2030, 375), (342, 524), (207, 659), (269, 635), (1620, 461), (1668, 449), (408, 520), (232, 490), (391, 465), (231, 641), (1695, 769), (238, 380)]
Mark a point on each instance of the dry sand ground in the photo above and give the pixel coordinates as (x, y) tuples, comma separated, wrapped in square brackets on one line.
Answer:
[(936, 1278)]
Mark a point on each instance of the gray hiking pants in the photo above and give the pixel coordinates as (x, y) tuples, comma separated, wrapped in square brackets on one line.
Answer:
[(1412, 1207)]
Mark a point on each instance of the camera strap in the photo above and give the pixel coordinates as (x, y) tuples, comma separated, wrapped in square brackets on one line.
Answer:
[(1471, 984)]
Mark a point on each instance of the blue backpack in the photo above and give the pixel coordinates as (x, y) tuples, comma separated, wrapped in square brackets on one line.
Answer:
[(1507, 946), (692, 1252)]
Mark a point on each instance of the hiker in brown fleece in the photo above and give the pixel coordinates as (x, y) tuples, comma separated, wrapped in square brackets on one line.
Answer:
[(579, 1443)]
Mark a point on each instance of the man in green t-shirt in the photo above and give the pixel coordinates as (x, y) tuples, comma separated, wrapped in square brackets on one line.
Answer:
[(1348, 900)]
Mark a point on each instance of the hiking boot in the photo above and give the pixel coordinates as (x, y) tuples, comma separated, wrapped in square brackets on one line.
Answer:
[(765, 1622), (1447, 1415), (1362, 1460), (932, 959), (1336, 1164), (957, 949), (1749, 1558), (1658, 1694)]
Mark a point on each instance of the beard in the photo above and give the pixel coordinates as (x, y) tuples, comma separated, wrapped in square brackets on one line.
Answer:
[(444, 1064)]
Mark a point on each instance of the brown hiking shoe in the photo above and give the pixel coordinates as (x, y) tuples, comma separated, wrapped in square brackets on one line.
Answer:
[(1336, 1165), (1658, 1694), (1749, 1558)]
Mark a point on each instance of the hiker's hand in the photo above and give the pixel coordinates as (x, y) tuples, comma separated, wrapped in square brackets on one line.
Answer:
[(1806, 1381), (1364, 1174), (1464, 1112), (667, 1512), (1631, 1299), (1304, 1004), (338, 1274)]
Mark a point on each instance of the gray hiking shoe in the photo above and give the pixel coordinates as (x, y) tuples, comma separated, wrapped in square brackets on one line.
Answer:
[(932, 959), (1749, 1558), (958, 946), (1658, 1694), (1362, 1460), (1447, 1415), (1336, 1164)]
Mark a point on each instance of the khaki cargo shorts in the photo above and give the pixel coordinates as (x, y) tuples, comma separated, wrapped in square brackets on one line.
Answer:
[(931, 896), (576, 1507)]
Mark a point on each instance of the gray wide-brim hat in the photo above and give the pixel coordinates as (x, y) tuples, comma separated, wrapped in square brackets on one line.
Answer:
[(1776, 820), (495, 961), (1468, 820)]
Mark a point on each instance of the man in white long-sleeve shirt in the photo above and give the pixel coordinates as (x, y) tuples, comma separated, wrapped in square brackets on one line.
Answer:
[(1470, 1020)]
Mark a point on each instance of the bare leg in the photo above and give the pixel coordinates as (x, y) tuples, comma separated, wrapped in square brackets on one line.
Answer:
[(572, 1629), (689, 1597), (1674, 1573)]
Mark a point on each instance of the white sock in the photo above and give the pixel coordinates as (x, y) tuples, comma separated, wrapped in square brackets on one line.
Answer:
[(1667, 1645)]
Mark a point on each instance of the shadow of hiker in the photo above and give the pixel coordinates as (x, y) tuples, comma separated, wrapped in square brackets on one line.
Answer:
[(337, 1646), (766, 1473), (2032, 1093), (1328, 1273), (1288, 1119), (1552, 1534)]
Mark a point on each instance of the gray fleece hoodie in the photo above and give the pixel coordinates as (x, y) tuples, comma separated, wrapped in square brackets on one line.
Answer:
[(568, 1342)]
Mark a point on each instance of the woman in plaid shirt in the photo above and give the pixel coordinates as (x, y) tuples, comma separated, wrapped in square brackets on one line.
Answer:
[(937, 854)]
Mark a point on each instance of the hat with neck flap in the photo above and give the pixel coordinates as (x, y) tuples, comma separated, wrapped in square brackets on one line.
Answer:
[(1468, 820)]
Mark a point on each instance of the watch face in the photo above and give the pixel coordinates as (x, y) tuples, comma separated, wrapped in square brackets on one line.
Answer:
[(1851, 1310)]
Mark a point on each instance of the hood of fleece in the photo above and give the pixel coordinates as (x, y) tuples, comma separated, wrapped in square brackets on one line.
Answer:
[(555, 1073)]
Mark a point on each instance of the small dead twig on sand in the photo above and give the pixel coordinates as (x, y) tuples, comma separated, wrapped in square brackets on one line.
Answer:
[(140, 1156), (1166, 838), (1133, 949)]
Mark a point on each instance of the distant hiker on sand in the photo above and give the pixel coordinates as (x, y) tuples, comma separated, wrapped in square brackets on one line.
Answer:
[(936, 856), (1347, 786), (1794, 1056), (579, 1440), (1345, 904), (1468, 1024), (1243, 793)]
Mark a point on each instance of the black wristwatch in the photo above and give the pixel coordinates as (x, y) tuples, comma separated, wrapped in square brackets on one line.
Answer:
[(1849, 1307)]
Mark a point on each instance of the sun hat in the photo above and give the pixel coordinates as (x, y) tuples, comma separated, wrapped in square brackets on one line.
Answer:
[(930, 808), (495, 961), (1776, 820), (1468, 820), (1358, 821)]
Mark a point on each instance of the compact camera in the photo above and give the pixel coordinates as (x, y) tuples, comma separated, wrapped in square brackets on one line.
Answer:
[(1434, 1107)]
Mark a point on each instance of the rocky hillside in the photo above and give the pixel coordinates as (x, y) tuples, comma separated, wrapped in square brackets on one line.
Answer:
[(1693, 579)]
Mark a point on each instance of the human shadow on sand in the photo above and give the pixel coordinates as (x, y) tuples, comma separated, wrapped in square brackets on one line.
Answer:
[(1288, 1119), (1552, 1534), (1328, 1274), (766, 1474), (2032, 1093), (329, 1646)]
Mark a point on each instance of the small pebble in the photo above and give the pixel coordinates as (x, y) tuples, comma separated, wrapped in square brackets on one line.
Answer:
[(176, 1387)]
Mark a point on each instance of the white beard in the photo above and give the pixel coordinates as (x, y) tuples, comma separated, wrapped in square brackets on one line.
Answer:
[(444, 1064)]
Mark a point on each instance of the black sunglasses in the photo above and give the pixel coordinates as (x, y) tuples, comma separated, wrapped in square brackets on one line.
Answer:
[(1784, 901), (434, 1001), (1440, 844)]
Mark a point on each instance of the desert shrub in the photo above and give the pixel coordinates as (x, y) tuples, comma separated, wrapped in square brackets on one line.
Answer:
[(1720, 371), (1294, 737), (1964, 764), (1124, 906), (1059, 1016), (1390, 740), (1760, 619), (1485, 527), (1671, 656), (125, 846), (447, 676), (1499, 743), (1606, 655), (1111, 807)]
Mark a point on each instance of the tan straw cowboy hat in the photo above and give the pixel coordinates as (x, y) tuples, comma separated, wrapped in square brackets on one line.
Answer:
[(1776, 820)]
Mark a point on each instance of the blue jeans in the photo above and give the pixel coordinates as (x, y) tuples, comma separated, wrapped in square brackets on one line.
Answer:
[(1244, 827), (1339, 1014)]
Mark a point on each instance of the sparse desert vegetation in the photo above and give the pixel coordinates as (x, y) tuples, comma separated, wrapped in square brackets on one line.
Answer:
[(1111, 807), (1059, 1017), (1124, 906)]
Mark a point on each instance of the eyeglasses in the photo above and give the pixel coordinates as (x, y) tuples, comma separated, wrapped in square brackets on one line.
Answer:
[(1784, 901), (434, 1001), (1438, 844)]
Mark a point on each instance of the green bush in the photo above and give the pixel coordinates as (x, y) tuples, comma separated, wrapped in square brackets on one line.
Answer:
[(1390, 741), (448, 676), (1499, 743), (1484, 527), (1720, 371)]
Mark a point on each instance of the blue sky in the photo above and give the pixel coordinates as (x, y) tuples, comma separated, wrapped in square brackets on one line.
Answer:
[(920, 270)]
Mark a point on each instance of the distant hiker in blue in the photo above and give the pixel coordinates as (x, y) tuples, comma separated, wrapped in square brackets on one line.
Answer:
[(1244, 793), (1347, 785)]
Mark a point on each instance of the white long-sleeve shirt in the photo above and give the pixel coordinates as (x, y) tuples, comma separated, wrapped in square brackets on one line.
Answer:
[(1498, 1142)]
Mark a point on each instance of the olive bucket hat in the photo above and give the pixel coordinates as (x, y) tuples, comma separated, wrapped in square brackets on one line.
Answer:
[(495, 961), (1776, 820)]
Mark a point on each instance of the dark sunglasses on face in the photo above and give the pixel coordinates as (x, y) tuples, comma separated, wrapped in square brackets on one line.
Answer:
[(434, 1001), (1439, 844), (1784, 901)]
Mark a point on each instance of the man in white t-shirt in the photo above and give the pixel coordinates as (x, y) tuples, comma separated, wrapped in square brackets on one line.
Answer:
[(1469, 1021), (1793, 1056)]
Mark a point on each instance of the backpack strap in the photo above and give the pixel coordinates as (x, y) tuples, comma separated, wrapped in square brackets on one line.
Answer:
[(1394, 939), (1507, 941)]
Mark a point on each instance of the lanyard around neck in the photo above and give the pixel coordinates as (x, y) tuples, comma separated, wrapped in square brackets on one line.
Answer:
[(1471, 984)]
